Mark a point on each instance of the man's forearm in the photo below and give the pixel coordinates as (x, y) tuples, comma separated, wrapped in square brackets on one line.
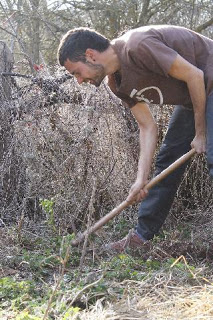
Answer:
[(148, 142), (194, 78), (196, 88), (197, 92)]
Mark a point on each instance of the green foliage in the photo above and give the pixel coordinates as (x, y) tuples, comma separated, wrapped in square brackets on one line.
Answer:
[(126, 267), (28, 300), (40, 263), (121, 226), (48, 255), (70, 313), (65, 243), (48, 205), (16, 293), (95, 280), (180, 268), (24, 315)]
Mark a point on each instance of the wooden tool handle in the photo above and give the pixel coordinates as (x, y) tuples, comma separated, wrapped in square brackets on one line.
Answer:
[(123, 205), (170, 169)]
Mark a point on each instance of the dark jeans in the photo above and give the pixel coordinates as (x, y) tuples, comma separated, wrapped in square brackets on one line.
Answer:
[(155, 207)]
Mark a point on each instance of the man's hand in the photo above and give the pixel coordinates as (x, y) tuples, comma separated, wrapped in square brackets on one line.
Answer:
[(137, 192), (199, 143)]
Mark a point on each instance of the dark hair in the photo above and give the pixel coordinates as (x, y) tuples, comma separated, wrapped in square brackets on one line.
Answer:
[(75, 42)]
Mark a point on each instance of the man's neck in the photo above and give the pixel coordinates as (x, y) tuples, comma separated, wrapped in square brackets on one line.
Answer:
[(111, 61)]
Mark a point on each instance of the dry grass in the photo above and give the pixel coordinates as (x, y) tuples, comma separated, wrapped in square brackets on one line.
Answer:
[(163, 296), (177, 303)]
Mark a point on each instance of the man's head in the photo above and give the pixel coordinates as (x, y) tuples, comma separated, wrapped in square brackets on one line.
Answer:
[(79, 51), (75, 42)]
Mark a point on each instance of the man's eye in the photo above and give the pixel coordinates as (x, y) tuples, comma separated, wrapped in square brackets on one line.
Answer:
[(75, 74)]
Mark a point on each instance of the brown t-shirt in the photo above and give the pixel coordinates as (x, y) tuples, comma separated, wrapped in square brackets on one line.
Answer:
[(146, 55)]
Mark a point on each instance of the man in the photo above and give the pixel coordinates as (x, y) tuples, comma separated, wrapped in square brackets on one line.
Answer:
[(159, 65)]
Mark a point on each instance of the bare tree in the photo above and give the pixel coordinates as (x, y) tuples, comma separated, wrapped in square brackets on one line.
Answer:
[(34, 27)]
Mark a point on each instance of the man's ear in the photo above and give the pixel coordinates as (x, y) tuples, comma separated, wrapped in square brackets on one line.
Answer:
[(91, 55)]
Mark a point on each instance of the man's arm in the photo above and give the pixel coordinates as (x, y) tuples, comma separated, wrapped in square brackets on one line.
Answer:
[(148, 141), (194, 78)]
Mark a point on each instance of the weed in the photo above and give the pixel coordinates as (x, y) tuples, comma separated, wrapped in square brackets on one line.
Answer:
[(65, 242), (181, 268), (24, 315), (121, 227), (70, 313), (40, 262), (48, 205), (125, 267), (17, 294)]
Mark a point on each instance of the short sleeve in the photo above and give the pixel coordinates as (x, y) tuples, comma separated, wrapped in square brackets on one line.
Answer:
[(127, 101), (153, 55)]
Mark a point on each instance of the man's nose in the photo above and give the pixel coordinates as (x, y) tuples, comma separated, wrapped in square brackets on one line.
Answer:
[(80, 80)]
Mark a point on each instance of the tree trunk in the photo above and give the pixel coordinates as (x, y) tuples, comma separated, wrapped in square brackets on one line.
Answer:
[(35, 41), (6, 64), (7, 163)]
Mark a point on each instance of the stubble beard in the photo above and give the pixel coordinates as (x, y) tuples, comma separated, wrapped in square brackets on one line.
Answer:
[(99, 73)]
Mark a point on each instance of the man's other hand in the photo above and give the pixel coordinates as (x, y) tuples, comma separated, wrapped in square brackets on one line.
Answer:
[(137, 192), (199, 143)]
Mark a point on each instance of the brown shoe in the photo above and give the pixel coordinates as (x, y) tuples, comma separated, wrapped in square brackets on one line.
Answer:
[(132, 240)]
